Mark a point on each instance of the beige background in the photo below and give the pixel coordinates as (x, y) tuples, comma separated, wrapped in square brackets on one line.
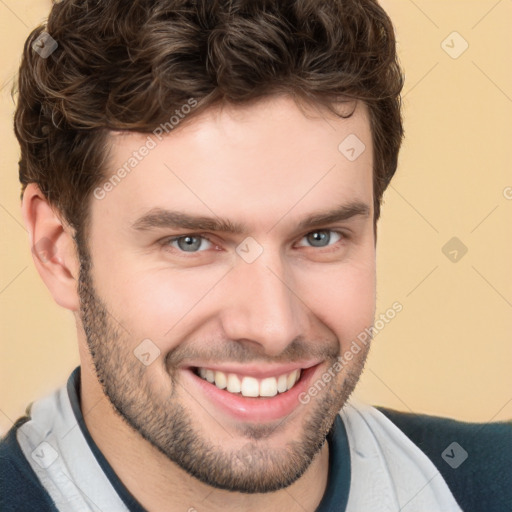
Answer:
[(449, 351)]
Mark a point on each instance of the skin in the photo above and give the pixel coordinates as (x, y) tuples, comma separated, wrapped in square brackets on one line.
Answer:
[(267, 165)]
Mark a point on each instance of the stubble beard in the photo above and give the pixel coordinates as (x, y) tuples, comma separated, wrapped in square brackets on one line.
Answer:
[(167, 424)]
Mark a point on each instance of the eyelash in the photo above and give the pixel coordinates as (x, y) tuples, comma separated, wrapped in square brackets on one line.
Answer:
[(166, 242)]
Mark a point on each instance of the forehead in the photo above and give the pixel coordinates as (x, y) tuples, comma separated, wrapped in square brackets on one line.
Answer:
[(253, 163)]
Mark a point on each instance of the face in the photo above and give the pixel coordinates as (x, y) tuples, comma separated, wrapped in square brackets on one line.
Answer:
[(225, 274)]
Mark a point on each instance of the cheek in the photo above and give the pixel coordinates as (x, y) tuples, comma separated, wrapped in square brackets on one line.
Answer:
[(343, 298), (156, 303), (358, 307)]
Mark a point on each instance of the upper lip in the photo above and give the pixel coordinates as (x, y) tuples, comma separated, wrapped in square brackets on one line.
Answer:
[(258, 371)]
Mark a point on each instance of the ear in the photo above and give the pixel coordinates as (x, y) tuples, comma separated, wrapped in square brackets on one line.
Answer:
[(53, 248)]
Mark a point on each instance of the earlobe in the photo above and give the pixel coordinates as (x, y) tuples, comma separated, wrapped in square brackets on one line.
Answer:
[(53, 248)]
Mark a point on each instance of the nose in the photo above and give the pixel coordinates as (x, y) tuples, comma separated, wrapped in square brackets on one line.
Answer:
[(261, 306)]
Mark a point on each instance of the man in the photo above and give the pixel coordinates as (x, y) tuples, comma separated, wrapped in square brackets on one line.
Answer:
[(201, 185)]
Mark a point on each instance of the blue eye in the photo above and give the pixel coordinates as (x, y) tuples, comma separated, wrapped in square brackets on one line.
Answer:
[(322, 237), (188, 243)]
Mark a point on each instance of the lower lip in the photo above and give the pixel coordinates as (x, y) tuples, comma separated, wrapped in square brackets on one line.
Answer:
[(253, 409)]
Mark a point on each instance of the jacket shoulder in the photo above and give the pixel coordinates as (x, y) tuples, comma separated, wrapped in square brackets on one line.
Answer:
[(20, 489), (475, 459)]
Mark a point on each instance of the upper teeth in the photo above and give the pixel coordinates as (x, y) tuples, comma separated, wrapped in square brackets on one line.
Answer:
[(250, 386)]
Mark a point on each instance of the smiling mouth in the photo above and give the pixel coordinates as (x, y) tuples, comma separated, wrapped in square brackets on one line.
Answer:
[(250, 386)]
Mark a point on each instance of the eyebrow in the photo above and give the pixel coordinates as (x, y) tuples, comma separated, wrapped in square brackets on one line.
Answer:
[(158, 218)]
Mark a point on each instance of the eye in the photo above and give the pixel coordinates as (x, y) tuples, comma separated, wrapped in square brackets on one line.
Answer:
[(322, 238), (188, 243), (192, 243)]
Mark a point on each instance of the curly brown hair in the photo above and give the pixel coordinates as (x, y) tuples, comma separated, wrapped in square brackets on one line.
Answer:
[(129, 65)]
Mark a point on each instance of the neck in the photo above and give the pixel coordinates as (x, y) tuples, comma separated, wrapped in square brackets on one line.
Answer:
[(159, 484)]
